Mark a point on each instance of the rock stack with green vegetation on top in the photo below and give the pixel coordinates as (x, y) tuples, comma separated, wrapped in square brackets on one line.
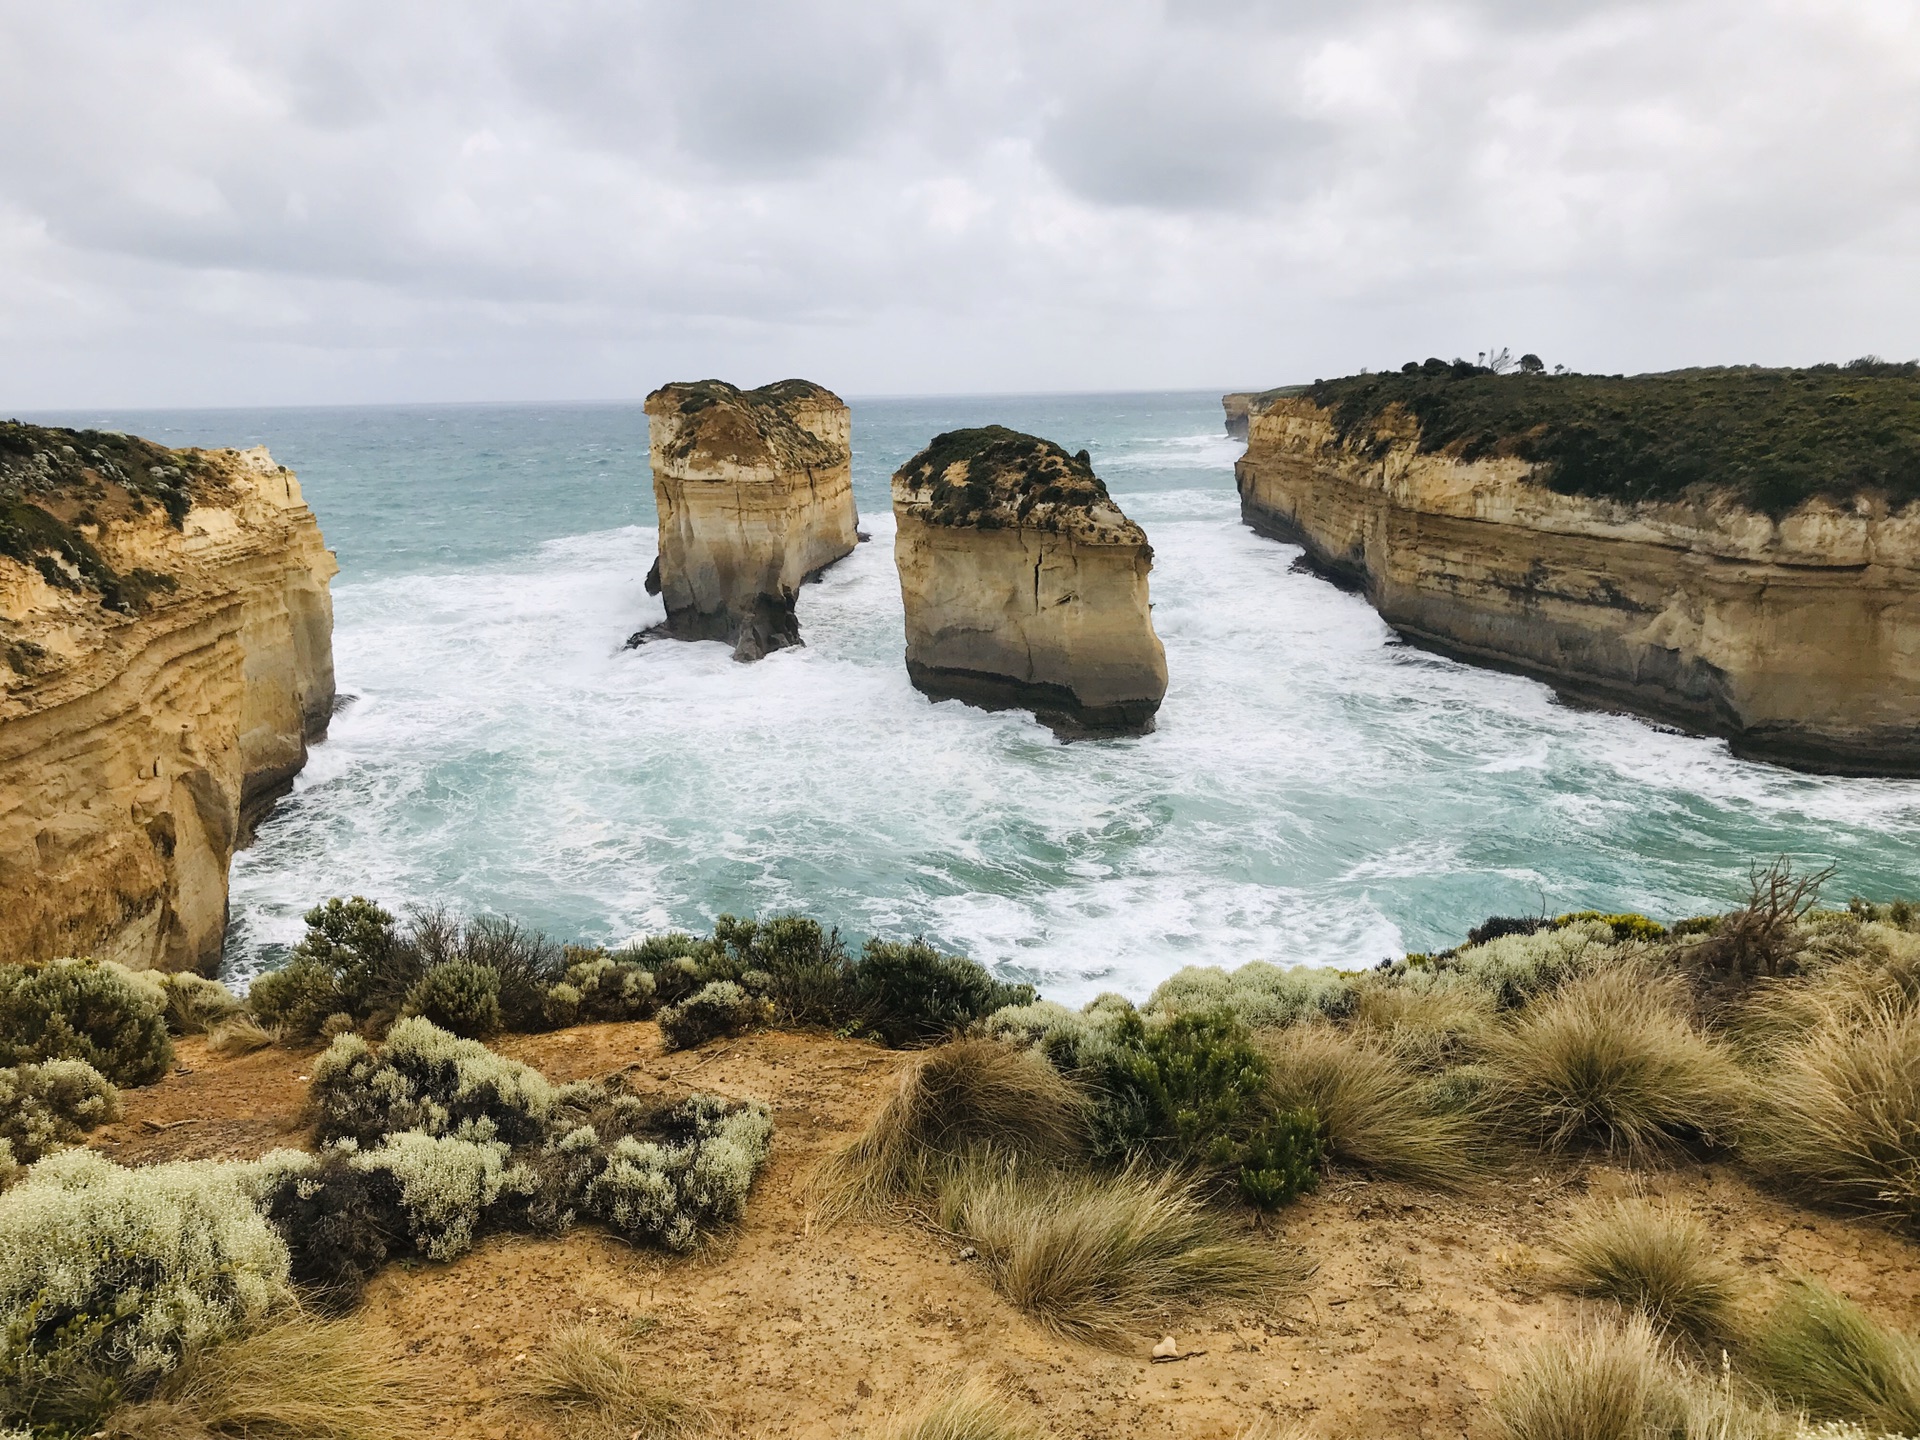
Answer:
[(755, 497), (166, 658), (1733, 550), (1025, 586)]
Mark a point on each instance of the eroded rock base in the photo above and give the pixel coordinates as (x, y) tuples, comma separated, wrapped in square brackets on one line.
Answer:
[(1054, 706)]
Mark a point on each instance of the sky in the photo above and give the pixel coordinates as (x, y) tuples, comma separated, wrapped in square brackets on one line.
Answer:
[(331, 201)]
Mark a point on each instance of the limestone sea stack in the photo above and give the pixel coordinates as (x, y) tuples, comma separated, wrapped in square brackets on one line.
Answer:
[(1025, 586), (1734, 551), (755, 494), (166, 658)]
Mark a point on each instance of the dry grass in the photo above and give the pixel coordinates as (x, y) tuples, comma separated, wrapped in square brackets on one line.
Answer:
[(300, 1379), (1092, 1257), (1617, 1382), (1822, 1351), (964, 1096), (1432, 1025), (598, 1388), (1611, 1059), (240, 1035), (971, 1410), (1373, 1105), (1841, 1117), (1654, 1259)]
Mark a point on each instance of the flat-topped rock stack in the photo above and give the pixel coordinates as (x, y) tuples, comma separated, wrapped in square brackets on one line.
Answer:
[(1025, 586), (755, 494)]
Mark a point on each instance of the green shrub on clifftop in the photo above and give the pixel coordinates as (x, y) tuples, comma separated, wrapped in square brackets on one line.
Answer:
[(84, 1010)]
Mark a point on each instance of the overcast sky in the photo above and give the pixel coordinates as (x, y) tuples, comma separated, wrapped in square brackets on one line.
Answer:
[(293, 202)]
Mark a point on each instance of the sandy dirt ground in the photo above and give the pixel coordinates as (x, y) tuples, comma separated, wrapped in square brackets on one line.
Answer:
[(789, 1328)]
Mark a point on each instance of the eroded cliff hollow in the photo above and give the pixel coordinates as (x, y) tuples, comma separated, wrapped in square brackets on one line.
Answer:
[(755, 494), (165, 660), (1742, 562), (1025, 586)]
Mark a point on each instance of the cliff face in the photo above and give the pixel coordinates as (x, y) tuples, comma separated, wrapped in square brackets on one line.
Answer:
[(1797, 638), (755, 494), (1024, 584), (166, 634)]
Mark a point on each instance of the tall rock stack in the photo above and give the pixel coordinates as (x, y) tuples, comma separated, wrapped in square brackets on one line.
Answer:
[(755, 493), (166, 657), (1025, 586)]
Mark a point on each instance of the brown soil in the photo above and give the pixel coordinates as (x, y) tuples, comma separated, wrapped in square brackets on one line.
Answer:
[(788, 1328)]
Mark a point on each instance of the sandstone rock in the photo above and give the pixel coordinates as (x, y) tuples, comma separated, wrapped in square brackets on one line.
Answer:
[(755, 497), (1798, 639), (165, 660), (1024, 584)]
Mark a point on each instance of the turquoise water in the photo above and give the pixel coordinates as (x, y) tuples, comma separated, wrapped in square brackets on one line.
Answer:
[(1315, 792)]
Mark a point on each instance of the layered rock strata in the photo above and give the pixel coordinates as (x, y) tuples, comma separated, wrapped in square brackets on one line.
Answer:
[(755, 494), (1796, 638), (165, 661), (1025, 586)]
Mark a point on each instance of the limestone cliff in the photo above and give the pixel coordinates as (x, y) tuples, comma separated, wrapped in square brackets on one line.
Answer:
[(1239, 405), (1024, 584), (166, 634), (1796, 636), (755, 494)]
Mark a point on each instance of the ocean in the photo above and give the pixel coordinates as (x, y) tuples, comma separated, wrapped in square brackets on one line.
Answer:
[(1315, 793)]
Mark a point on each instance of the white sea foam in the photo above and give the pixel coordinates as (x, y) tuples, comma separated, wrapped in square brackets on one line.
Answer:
[(1314, 792)]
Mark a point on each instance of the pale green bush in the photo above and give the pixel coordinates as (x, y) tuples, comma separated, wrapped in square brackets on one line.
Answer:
[(1071, 1039), (119, 1271), (1515, 968), (718, 1008), (446, 1186), (424, 1079), (666, 1189), (45, 1106), (1257, 994)]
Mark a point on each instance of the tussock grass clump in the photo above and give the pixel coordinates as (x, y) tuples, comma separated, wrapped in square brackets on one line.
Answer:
[(1822, 1351), (964, 1096), (1373, 1106), (298, 1379), (1653, 1259), (971, 1410), (1090, 1257), (196, 1004), (1431, 1025), (600, 1390), (1840, 1118), (242, 1035), (1618, 1382), (1610, 1059)]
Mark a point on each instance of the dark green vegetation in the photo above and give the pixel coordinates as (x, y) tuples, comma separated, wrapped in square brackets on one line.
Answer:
[(80, 1010), (1775, 438), (1008, 478), (360, 968), (43, 468)]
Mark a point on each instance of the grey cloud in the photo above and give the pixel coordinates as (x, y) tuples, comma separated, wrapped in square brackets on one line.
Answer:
[(353, 200)]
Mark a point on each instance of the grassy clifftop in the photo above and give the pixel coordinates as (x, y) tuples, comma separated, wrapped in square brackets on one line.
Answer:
[(1775, 438)]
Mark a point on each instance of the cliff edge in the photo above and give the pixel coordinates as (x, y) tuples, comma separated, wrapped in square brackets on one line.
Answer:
[(165, 660), (1736, 552), (1024, 584), (755, 494)]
